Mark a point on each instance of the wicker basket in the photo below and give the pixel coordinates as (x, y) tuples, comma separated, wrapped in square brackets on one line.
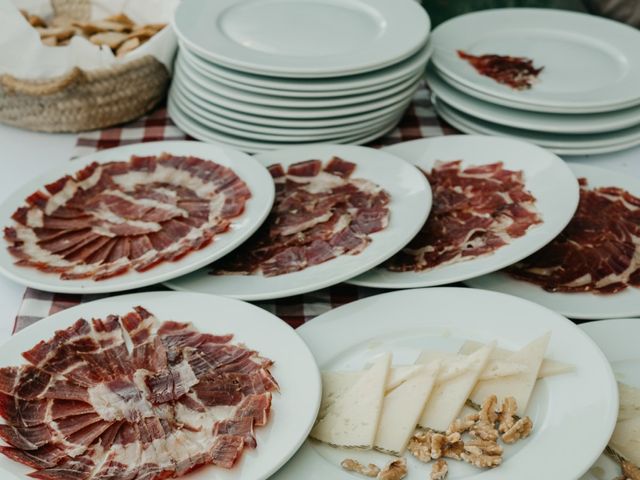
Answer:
[(83, 100)]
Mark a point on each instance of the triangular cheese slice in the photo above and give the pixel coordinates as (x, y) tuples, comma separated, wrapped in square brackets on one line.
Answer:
[(626, 440), (352, 419), (455, 382), (629, 402), (519, 386), (501, 364), (402, 409)]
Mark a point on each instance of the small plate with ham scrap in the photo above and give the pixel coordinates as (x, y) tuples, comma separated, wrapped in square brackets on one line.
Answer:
[(592, 269), (155, 385), (132, 216), (339, 211), (494, 203)]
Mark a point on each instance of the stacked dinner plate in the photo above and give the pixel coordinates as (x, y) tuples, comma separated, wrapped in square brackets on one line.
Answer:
[(265, 74), (585, 99)]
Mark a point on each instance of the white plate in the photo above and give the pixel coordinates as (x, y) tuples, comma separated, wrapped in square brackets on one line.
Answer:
[(294, 408), (618, 340), (298, 133), (313, 88), (575, 305), (257, 208), (222, 113), (272, 99), (556, 203), (590, 63), (542, 122), (302, 38), (463, 123), (544, 139), (409, 206), (201, 132), (562, 408), (193, 89)]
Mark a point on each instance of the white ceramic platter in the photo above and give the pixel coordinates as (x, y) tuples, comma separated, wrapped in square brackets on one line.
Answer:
[(602, 75), (206, 134), (294, 408), (541, 122), (222, 114), (194, 90), (409, 206), (575, 305), (257, 208), (544, 139), (406, 322), (465, 124), (220, 122), (302, 38), (556, 203), (274, 100), (312, 87), (618, 340)]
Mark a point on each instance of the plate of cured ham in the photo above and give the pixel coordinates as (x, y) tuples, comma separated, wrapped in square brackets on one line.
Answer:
[(339, 211), (592, 269), (132, 216), (475, 384), (493, 204), (155, 385)]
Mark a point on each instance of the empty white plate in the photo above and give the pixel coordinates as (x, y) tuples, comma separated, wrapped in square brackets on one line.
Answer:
[(591, 64), (575, 305), (542, 122), (302, 38)]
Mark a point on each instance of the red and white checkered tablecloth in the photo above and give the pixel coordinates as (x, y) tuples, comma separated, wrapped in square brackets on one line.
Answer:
[(419, 121)]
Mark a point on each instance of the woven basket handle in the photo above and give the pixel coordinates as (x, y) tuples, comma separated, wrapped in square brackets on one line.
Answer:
[(39, 87)]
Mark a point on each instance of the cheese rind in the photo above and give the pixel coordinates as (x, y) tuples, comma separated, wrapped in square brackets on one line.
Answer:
[(455, 382), (625, 440), (519, 386), (352, 419), (402, 409)]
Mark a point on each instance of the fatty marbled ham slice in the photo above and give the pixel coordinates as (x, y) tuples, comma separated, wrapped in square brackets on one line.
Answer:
[(130, 398), (598, 252), (113, 217), (320, 213), (476, 210)]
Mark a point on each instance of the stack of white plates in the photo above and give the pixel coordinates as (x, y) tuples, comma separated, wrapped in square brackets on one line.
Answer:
[(264, 74), (586, 100)]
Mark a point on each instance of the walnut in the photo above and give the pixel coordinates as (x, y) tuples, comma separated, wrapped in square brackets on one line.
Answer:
[(394, 470), (482, 453), (488, 410), (484, 430), (439, 470), (420, 446), (462, 425), (351, 465), (427, 445), (630, 471), (507, 415), (521, 429), (454, 450)]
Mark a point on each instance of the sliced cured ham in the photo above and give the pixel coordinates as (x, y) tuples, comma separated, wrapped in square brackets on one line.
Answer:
[(320, 213), (110, 218), (598, 252), (129, 397), (518, 73), (476, 210)]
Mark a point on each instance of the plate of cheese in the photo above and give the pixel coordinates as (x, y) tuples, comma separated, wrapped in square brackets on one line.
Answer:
[(454, 383)]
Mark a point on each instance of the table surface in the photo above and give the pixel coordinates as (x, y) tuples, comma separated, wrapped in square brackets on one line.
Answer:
[(26, 154)]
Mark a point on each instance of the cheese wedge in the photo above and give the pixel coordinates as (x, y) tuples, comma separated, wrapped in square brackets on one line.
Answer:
[(499, 356), (520, 386), (336, 383), (352, 419), (626, 440), (629, 402), (455, 382), (402, 409)]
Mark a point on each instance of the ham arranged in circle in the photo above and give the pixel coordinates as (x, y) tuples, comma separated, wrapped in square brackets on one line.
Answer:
[(599, 251), (320, 212), (109, 218), (476, 210), (128, 397)]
